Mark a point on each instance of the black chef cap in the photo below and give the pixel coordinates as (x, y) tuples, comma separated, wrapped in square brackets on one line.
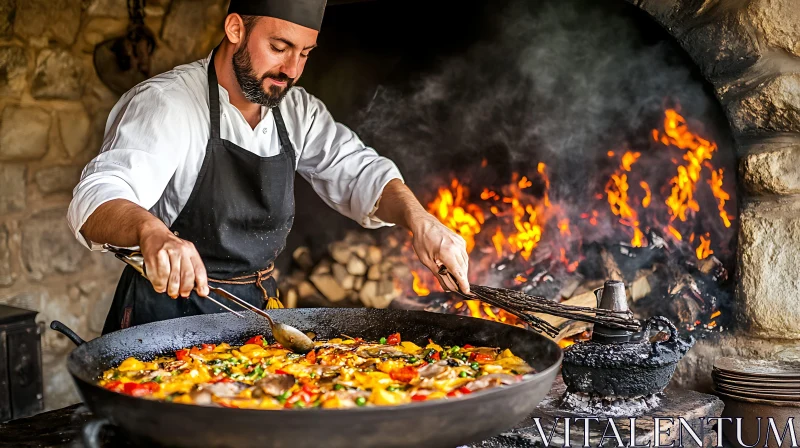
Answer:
[(307, 13)]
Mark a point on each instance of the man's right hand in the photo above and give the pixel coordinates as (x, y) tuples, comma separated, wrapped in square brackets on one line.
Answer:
[(172, 264)]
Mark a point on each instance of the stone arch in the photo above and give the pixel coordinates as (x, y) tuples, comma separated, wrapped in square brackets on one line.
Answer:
[(749, 50)]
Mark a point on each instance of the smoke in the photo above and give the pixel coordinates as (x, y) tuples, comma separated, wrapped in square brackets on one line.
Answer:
[(563, 82)]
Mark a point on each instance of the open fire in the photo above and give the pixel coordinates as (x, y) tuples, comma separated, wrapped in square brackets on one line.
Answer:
[(524, 236)]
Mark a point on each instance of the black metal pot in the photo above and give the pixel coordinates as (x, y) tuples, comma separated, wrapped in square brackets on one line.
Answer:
[(627, 369)]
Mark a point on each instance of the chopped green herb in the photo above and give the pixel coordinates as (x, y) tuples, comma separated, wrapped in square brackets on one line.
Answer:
[(475, 366), (312, 375), (392, 388), (338, 387), (455, 349), (157, 379), (299, 404), (412, 360), (361, 401)]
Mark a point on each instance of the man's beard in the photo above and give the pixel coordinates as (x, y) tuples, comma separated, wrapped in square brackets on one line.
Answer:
[(252, 85)]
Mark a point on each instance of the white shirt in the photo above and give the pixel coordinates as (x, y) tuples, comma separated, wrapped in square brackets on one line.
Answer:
[(155, 142)]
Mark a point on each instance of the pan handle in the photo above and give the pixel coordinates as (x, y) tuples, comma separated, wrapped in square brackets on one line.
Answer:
[(91, 432), (63, 329)]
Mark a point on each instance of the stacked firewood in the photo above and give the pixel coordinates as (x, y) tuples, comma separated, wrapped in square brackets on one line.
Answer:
[(354, 272)]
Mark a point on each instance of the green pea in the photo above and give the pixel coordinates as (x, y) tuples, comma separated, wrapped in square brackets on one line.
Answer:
[(383, 340), (392, 388), (361, 401), (412, 360), (312, 375), (463, 374), (338, 387), (475, 366)]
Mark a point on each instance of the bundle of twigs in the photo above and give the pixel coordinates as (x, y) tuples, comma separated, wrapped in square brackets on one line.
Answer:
[(525, 307)]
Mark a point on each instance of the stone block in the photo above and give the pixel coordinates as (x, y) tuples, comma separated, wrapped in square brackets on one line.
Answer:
[(74, 126), (48, 246), (8, 9), (56, 19), (6, 277), (779, 23), (772, 172), (24, 133), (722, 47), (193, 27), (98, 29), (772, 106), (12, 194), (58, 179), (108, 8), (769, 254), (13, 65), (57, 75)]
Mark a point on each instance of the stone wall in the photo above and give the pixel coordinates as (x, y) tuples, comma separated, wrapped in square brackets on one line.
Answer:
[(53, 109), (750, 51)]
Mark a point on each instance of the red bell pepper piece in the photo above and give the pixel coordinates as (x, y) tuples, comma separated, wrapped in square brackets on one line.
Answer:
[(481, 358), (393, 339), (458, 392), (311, 357), (419, 397), (436, 356), (257, 339), (404, 374), (195, 351), (208, 348), (182, 354), (467, 346), (140, 390), (114, 386), (282, 372)]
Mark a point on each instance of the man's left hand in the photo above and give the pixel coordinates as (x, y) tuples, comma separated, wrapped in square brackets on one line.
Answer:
[(437, 246)]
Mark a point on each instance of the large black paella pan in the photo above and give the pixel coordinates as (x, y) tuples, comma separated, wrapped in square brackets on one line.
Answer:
[(439, 423)]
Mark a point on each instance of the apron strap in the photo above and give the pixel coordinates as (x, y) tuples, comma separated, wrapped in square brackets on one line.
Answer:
[(283, 134), (213, 97)]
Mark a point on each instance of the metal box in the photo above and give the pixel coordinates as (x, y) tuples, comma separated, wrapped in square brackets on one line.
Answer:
[(20, 364)]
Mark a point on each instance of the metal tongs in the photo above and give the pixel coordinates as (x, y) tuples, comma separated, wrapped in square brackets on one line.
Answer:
[(286, 335)]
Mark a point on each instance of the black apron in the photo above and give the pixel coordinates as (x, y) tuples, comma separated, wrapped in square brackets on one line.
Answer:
[(238, 216)]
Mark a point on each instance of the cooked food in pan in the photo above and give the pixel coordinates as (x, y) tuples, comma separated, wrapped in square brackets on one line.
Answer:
[(339, 373)]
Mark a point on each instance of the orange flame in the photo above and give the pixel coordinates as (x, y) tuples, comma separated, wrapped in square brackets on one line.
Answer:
[(418, 286), (704, 249), (698, 150), (453, 210), (716, 187), (617, 195), (648, 195)]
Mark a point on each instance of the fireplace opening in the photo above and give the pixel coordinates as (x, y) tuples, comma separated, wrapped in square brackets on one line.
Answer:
[(567, 142)]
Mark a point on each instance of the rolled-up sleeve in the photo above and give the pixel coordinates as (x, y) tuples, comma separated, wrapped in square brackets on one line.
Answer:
[(348, 175), (142, 147)]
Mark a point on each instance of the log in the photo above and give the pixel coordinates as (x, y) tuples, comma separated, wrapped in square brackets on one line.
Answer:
[(290, 299), (610, 266), (374, 255), (341, 276), (302, 257), (374, 272), (356, 265), (340, 251), (323, 267), (329, 287), (642, 285), (359, 282), (368, 293)]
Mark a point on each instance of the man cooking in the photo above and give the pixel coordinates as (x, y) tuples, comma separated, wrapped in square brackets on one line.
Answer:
[(197, 169)]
